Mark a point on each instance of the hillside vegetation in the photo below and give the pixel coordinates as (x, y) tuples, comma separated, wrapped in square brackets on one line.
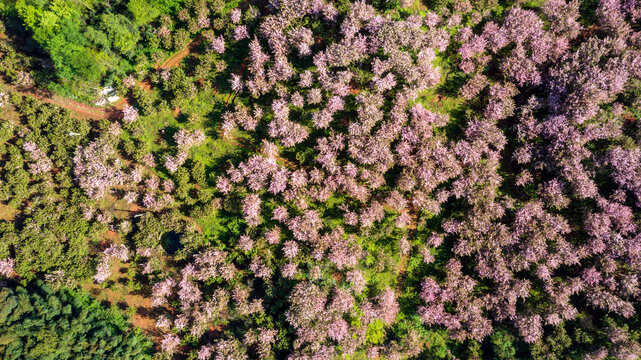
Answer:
[(318, 179)]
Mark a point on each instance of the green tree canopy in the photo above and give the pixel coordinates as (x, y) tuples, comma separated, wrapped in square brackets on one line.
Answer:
[(38, 323)]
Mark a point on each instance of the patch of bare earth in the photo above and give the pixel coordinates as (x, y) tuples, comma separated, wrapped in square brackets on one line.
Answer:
[(119, 295)]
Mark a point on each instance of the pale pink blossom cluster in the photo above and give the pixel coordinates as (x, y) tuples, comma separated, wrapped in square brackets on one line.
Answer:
[(97, 169), (104, 269), (129, 114), (172, 163), (217, 44), (129, 81), (170, 343), (511, 184), (186, 139), (23, 78), (7, 267), (41, 164), (4, 99)]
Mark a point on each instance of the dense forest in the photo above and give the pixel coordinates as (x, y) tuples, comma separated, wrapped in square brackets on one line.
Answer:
[(320, 179), (38, 323)]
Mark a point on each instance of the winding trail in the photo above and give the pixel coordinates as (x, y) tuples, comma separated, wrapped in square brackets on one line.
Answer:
[(77, 109), (175, 59), (84, 111)]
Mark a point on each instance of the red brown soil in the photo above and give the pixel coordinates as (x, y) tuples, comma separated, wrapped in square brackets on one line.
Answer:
[(84, 111), (628, 119), (145, 84), (353, 89), (78, 109), (111, 235), (585, 33), (144, 317), (176, 58)]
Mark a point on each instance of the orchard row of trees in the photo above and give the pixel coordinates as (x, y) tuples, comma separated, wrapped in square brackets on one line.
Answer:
[(361, 179)]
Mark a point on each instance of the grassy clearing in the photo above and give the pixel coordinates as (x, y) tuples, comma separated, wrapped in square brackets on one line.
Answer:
[(9, 113), (7, 212)]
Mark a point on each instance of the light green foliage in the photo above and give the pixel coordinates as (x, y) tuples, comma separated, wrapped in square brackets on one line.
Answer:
[(86, 39), (167, 6), (57, 26), (375, 332), (6, 131), (142, 11), (122, 32), (45, 21)]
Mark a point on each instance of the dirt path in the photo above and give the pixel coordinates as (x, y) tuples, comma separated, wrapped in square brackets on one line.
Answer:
[(78, 109), (84, 111), (176, 58)]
